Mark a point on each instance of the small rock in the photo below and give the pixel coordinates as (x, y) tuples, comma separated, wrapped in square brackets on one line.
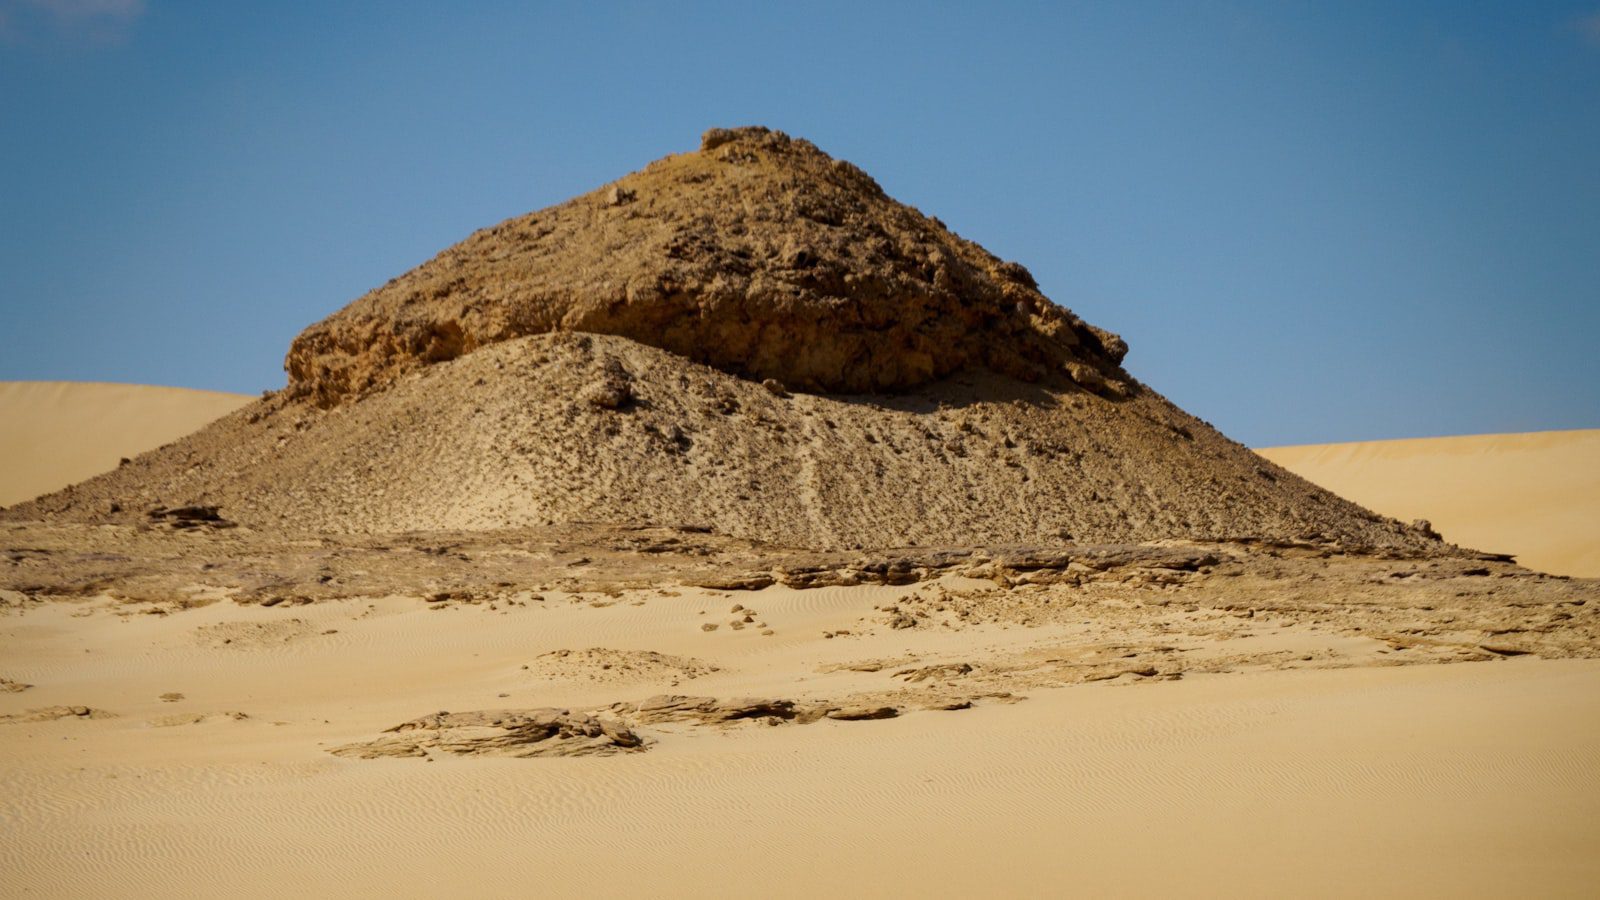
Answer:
[(608, 395)]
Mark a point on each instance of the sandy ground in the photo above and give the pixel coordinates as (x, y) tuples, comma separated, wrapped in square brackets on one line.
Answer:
[(1284, 746), (1472, 779), (58, 433), (1534, 495)]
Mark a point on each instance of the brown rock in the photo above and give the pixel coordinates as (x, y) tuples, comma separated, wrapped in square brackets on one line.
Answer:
[(862, 713), (759, 255)]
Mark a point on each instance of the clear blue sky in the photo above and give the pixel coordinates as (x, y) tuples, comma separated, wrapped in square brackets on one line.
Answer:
[(1312, 221)]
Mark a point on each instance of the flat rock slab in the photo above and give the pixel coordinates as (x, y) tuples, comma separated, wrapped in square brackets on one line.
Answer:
[(515, 733), (863, 713)]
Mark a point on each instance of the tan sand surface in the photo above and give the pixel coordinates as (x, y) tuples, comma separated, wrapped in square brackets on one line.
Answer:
[(1535, 495), (1364, 778), (57, 433)]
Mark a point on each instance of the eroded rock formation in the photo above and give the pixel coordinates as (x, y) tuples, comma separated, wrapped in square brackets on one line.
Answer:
[(758, 254)]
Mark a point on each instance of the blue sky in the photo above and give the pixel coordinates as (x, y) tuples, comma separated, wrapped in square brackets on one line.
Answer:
[(1312, 221)]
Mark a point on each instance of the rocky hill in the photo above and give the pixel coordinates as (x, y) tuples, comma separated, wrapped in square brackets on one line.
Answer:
[(751, 338)]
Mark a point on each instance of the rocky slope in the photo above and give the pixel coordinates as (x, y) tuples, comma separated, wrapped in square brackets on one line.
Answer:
[(562, 428)]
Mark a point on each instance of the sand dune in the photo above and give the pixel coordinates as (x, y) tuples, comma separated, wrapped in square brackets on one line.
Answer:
[(1536, 495), (58, 433)]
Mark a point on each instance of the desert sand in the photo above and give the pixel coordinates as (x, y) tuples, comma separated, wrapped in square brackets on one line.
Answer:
[(58, 433), (735, 530), (1355, 776), (1534, 495)]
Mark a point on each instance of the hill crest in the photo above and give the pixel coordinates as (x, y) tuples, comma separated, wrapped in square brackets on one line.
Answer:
[(757, 254)]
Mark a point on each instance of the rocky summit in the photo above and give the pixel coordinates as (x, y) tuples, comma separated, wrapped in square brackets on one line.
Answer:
[(750, 338), (759, 255)]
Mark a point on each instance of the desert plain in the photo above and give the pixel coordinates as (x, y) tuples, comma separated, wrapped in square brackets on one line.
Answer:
[(500, 598)]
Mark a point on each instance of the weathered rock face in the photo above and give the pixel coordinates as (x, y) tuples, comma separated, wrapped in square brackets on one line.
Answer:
[(759, 255)]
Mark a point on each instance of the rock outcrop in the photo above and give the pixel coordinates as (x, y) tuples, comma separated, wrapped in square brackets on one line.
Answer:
[(759, 255), (516, 733)]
